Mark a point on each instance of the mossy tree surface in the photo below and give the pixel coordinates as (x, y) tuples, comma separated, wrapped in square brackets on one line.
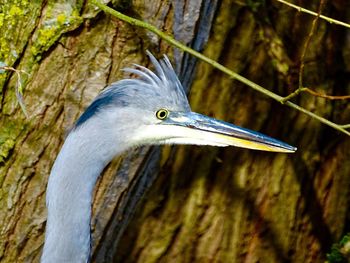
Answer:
[(207, 204)]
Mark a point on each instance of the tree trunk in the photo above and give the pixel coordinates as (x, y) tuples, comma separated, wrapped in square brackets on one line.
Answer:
[(202, 204)]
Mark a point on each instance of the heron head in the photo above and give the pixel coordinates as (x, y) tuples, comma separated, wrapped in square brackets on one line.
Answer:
[(153, 109)]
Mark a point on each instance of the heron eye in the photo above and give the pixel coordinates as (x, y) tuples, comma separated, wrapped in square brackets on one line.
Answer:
[(162, 114)]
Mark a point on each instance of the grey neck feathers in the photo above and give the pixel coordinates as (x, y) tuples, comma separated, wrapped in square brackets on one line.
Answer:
[(69, 194)]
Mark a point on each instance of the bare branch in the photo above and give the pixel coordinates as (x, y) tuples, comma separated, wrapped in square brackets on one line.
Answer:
[(302, 58), (307, 44), (19, 87), (215, 64), (328, 19), (325, 96)]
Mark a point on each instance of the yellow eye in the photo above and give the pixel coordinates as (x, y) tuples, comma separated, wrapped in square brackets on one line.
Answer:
[(162, 114)]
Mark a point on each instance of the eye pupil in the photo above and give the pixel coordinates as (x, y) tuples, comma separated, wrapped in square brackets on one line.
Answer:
[(162, 114)]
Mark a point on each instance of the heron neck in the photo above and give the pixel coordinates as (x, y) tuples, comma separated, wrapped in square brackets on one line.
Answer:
[(69, 195)]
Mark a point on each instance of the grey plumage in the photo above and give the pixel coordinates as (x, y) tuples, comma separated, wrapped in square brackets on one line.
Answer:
[(152, 109), (149, 91)]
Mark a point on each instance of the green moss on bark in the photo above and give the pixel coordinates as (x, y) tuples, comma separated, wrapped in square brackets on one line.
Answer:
[(58, 22), (340, 252), (8, 136), (10, 17)]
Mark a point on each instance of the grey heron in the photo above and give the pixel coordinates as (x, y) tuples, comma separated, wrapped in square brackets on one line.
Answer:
[(151, 109)]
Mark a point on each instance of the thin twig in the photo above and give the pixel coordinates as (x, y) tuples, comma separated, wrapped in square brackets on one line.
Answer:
[(330, 97), (303, 54), (301, 88), (307, 43), (215, 64), (316, 94), (328, 19), (19, 88)]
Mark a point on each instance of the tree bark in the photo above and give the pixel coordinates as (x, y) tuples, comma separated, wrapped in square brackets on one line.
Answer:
[(201, 204)]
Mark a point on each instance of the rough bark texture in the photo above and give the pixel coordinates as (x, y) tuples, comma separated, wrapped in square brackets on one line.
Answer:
[(206, 204)]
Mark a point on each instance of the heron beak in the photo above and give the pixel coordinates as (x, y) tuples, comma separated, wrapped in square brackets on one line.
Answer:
[(194, 128)]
